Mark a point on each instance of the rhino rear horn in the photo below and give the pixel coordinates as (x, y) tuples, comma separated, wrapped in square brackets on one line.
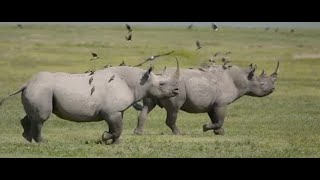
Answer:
[(164, 72), (263, 73)]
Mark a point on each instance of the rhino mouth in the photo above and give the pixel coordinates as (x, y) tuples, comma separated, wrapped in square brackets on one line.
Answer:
[(176, 91)]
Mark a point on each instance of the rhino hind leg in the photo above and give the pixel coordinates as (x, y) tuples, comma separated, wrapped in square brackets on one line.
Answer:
[(115, 128), (36, 127), (26, 124), (217, 115)]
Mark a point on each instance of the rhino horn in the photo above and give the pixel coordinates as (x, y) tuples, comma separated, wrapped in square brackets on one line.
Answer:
[(177, 74), (164, 72), (274, 75), (263, 73)]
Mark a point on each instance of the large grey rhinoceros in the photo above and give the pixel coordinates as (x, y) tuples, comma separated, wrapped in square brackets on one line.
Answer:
[(104, 95), (210, 91)]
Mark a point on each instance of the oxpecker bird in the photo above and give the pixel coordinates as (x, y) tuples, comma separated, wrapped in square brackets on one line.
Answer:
[(128, 27), (94, 55), (90, 80), (92, 90), (154, 57), (198, 45), (214, 27), (112, 78)]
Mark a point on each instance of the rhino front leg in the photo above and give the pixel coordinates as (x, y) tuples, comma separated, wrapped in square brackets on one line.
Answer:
[(148, 105), (115, 128), (217, 115), (171, 121)]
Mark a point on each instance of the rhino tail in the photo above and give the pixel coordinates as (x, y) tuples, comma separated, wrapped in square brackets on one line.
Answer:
[(14, 93)]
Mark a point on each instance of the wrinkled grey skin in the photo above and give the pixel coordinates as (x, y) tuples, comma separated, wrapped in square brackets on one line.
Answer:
[(68, 97), (210, 91)]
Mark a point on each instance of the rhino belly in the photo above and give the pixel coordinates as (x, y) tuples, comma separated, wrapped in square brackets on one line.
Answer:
[(76, 108), (199, 96)]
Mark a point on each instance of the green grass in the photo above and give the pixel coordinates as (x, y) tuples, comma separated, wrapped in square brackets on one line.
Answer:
[(284, 124)]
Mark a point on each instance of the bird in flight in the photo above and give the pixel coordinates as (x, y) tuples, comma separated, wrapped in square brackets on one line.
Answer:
[(129, 37), (216, 54), (94, 55), (128, 27), (20, 26), (190, 26), (214, 27), (154, 57), (198, 45)]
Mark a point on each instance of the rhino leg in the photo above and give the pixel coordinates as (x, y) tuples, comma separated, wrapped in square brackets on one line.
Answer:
[(26, 124), (171, 121), (36, 127), (115, 128), (217, 115), (148, 105)]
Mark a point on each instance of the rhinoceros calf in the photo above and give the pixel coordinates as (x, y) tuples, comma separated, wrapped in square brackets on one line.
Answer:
[(210, 91), (72, 97)]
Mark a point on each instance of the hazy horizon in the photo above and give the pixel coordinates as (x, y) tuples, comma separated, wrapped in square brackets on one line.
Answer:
[(231, 24)]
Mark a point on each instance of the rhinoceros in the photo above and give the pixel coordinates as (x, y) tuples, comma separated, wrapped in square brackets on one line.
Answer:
[(72, 97), (209, 90)]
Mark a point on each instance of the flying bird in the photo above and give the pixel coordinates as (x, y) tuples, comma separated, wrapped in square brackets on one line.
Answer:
[(92, 90), (229, 52), (198, 45), (154, 57), (190, 26), (90, 80), (216, 54), (19, 26), (112, 78), (214, 27), (129, 37), (267, 28), (94, 55), (292, 30), (128, 27)]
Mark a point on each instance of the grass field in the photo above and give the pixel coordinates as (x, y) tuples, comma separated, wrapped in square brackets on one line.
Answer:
[(283, 124)]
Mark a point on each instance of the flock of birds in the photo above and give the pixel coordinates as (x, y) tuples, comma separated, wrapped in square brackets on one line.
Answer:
[(128, 37)]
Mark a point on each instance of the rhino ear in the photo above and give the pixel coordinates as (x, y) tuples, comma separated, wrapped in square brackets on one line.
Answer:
[(251, 72), (147, 73)]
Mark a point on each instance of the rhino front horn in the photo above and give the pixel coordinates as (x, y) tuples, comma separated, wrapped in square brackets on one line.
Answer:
[(177, 74), (274, 75)]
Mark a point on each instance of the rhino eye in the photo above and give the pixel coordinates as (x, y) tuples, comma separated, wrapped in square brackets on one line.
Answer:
[(162, 83)]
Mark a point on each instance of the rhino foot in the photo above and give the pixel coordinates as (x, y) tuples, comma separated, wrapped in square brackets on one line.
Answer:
[(204, 128), (219, 131), (138, 132), (116, 141), (28, 138)]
